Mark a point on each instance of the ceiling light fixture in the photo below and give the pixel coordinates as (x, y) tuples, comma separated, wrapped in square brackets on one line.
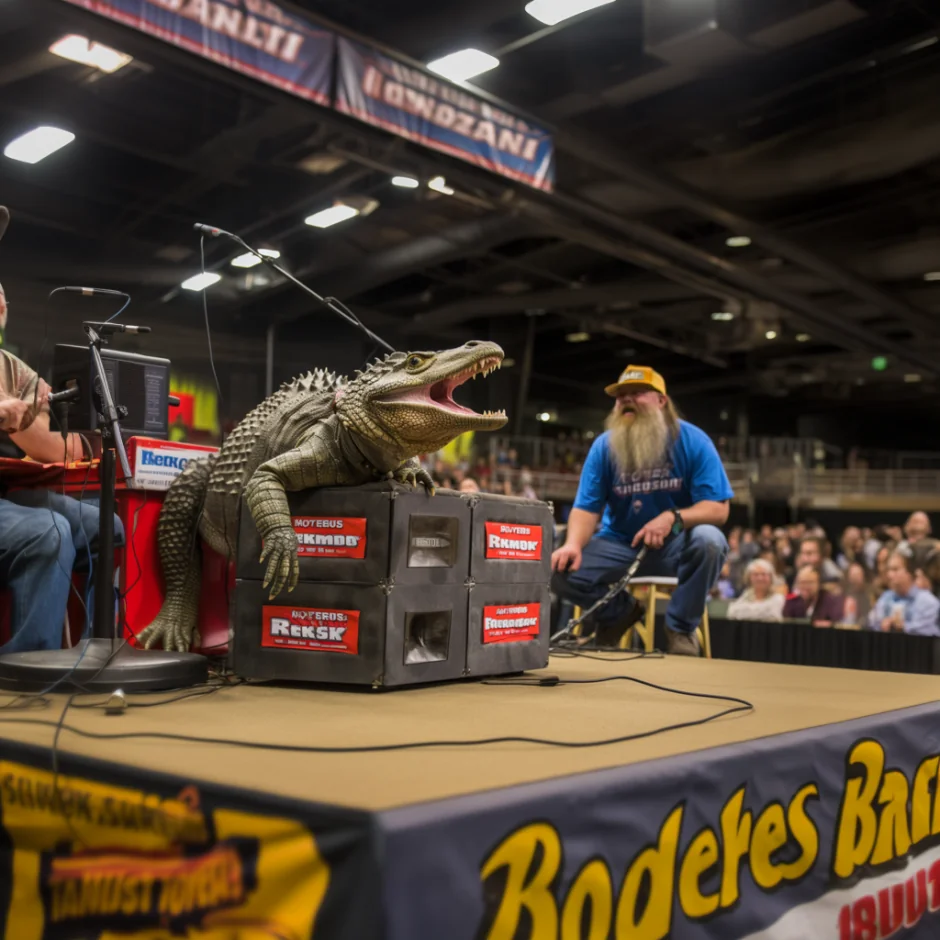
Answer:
[(465, 64), (771, 334), (578, 336), (723, 315), (332, 216), (405, 182), (912, 377), (82, 50), (551, 12), (439, 185), (803, 337), (249, 260), (543, 416), (38, 144), (201, 281), (738, 241), (932, 276)]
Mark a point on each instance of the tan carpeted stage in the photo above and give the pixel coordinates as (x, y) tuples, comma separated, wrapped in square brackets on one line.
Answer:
[(811, 816), (786, 698)]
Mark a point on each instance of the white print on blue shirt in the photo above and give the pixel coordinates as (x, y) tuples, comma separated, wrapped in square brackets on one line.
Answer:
[(648, 481)]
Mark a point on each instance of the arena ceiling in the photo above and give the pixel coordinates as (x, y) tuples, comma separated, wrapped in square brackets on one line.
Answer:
[(808, 126)]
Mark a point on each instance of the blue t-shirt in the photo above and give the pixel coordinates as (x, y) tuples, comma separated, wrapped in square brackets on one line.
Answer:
[(692, 472)]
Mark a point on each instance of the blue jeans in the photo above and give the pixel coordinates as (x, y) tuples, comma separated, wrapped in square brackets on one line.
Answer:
[(695, 557), (44, 537)]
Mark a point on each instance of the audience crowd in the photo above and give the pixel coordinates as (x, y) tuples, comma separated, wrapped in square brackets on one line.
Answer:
[(884, 578)]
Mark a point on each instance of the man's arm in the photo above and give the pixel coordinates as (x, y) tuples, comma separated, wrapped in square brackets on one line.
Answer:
[(581, 526), (41, 444), (705, 512)]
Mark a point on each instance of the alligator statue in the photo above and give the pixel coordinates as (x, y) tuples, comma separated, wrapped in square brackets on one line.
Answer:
[(318, 430)]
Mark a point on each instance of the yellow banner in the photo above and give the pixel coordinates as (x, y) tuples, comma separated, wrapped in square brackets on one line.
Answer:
[(96, 860)]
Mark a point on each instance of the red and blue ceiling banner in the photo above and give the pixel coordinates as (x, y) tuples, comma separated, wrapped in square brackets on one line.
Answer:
[(258, 38), (406, 101)]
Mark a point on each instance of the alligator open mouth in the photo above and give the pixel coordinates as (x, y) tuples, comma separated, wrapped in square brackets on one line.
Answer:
[(440, 394)]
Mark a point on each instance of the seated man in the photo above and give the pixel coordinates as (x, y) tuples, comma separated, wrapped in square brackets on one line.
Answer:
[(44, 535), (660, 483), (904, 607), (808, 602)]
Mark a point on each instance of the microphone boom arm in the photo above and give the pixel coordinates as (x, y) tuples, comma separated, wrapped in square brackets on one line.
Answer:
[(332, 303)]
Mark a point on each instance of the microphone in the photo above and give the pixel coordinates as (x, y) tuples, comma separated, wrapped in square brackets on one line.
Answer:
[(68, 394), (115, 327), (4, 220), (59, 406), (91, 291), (211, 230)]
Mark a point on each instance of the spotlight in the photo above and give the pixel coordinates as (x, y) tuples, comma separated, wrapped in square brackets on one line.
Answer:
[(249, 260), (332, 216), (38, 144), (201, 281), (462, 65)]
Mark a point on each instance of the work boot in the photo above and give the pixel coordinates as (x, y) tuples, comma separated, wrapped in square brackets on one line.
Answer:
[(608, 635), (682, 644)]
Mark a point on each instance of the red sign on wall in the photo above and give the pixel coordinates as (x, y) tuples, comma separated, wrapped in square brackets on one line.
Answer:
[(310, 629), (512, 541), (330, 537), (511, 624)]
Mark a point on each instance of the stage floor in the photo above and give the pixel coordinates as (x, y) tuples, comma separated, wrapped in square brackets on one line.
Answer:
[(785, 699), (815, 815)]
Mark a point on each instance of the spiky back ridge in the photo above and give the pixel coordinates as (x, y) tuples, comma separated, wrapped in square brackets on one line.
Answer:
[(381, 367), (319, 380)]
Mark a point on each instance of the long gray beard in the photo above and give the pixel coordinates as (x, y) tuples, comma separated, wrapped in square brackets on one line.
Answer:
[(638, 443)]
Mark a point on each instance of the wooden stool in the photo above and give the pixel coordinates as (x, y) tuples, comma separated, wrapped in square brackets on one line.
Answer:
[(650, 590)]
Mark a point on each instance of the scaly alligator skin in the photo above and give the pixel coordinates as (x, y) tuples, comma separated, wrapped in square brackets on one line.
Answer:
[(318, 430)]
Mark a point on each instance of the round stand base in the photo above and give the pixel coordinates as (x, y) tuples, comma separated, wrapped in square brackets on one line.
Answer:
[(100, 669)]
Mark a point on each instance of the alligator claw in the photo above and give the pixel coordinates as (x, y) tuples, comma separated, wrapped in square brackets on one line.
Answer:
[(425, 479), (283, 569), (174, 634), (412, 474)]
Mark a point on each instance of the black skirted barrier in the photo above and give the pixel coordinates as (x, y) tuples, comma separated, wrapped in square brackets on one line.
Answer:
[(800, 644)]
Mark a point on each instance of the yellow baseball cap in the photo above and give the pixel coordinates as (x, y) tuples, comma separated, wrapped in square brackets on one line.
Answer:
[(639, 378)]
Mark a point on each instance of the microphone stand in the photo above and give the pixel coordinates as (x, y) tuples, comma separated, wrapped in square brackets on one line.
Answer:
[(105, 662), (332, 303)]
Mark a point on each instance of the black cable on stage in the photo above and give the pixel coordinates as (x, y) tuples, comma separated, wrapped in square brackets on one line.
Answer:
[(739, 705)]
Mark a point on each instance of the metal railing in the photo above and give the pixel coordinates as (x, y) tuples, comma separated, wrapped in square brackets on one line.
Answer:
[(865, 482)]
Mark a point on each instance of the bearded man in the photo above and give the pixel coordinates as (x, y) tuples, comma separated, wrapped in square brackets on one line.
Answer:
[(659, 482)]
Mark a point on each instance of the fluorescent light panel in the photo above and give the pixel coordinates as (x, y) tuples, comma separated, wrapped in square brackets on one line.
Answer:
[(38, 144), (249, 260), (738, 241), (551, 12), (578, 337), (439, 185), (406, 182), (465, 64), (201, 281), (82, 50), (332, 216), (723, 315)]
